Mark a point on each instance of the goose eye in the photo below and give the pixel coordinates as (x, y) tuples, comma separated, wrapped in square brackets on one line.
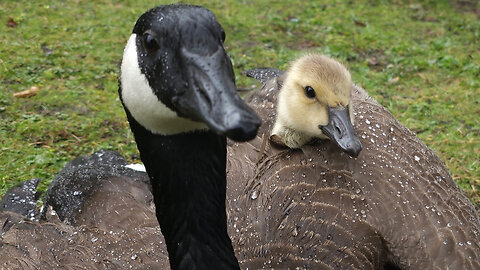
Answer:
[(149, 43), (309, 92)]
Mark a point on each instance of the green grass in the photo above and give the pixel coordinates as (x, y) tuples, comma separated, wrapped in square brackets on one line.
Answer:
[(419, 59)]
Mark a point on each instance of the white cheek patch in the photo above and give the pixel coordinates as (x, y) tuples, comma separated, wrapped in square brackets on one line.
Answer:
[(143, 104)]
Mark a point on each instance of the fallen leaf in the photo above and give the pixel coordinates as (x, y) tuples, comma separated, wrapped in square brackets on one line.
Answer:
[(27, 93), (359, 23), (11, 23), (394, 80)]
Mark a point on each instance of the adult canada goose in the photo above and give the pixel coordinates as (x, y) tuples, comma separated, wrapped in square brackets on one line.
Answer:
[(178, 90), (316, 207)]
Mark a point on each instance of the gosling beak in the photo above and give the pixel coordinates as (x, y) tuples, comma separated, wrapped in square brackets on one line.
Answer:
[(340, 130), (213, 98)]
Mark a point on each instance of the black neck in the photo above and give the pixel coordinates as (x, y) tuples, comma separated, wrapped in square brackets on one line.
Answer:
[(188, 176)]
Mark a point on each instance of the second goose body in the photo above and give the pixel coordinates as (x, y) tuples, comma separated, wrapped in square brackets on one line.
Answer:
[(395, 206)]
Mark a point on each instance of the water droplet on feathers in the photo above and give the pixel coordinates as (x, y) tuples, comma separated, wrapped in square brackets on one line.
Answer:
[(254, 195)]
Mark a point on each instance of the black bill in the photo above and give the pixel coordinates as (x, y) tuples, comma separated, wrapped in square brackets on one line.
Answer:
[(340, 130)]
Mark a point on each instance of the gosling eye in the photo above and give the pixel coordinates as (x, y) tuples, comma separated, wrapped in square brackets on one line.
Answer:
[(149, 43), (309, 92)]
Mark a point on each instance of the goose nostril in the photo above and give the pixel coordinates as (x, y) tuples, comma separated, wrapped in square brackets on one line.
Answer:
[(339, 131)]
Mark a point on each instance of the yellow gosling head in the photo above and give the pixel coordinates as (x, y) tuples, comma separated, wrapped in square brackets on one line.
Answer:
[(314, 102)]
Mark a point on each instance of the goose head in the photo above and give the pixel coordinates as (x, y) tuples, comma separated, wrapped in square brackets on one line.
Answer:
[(315, 102), (176, 76)]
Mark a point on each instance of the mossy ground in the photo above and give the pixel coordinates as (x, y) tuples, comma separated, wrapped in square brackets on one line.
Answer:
[(420, 59)]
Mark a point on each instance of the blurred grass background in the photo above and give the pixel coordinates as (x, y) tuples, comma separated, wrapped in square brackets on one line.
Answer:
[(420, 59)]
